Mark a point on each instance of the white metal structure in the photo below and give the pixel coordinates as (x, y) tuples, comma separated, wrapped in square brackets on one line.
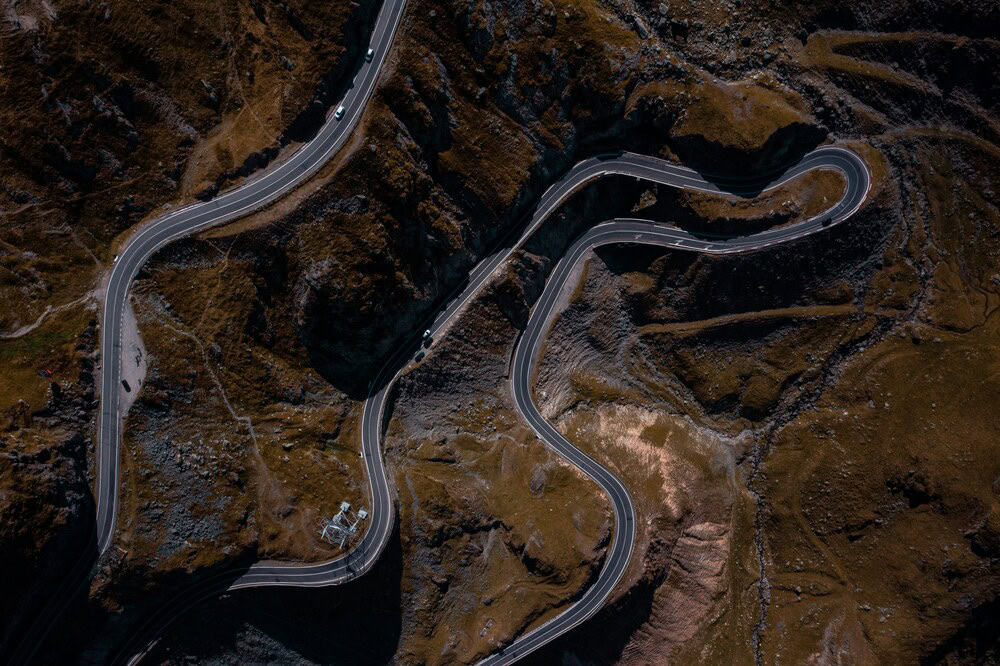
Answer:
[(343, 526)]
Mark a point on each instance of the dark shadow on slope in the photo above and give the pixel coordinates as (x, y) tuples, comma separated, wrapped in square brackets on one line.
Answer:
[(745, 173), (348, 347), (333, 85), (780, 276), (357, 623), (670, 207), (976, 642), (57, 587), (96, 634), (633, 258), (616, 624)]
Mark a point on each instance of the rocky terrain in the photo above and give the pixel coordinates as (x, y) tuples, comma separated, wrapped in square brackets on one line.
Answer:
[(111, 111), (806, 430)]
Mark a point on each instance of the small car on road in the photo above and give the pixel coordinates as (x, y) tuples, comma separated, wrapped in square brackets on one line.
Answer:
[(369, 55), (339, 113)]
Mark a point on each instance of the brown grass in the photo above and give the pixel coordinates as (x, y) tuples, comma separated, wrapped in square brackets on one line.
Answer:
[(51, 345), (742, 115), (63, 104), (803, 198)]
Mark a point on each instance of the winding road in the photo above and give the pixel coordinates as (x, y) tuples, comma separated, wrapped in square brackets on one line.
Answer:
[(251, 196), (285, 177), (632, 231)]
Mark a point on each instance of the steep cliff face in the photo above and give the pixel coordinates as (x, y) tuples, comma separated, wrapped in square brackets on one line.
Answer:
[(456, 147), (682, 373), (740, 398), (109, 111), (46, 445), (47, 515)]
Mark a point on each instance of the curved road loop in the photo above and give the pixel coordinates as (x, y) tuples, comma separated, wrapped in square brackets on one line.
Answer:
[(632, 231), (183, 222), (639, 232), (299, 167), (643, 232), (249, 197)]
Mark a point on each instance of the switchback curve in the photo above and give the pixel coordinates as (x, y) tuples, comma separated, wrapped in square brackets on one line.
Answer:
[(361, 558)]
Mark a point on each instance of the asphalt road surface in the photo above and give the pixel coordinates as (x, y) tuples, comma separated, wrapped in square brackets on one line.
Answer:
[(643, 232), (285, 177), (249, 197), (360, 558), (184, 222)]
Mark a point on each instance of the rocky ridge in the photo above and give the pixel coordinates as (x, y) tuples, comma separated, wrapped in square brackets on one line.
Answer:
[(492, 104)]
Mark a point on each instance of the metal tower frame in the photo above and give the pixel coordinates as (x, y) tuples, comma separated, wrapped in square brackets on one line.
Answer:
[(343, 525)]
